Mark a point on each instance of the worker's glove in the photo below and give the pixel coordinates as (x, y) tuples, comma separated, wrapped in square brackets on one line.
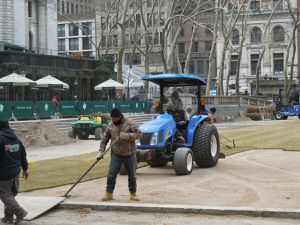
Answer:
[(124, 136), (25, 175), (100, 155)]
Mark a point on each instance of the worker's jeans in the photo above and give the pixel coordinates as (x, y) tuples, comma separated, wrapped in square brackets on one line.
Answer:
[(8, 190), (115, 166)]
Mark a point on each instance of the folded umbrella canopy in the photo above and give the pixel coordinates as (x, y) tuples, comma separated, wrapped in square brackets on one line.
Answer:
[(51, 82), (16, 80), (110, 84)]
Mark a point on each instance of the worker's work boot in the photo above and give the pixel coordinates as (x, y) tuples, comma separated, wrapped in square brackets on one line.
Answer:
[(20, 217), (7, 220), (108, 197), (134, 197)]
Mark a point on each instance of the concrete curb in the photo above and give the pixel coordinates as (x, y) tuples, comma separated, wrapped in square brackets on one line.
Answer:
[(184, 209)]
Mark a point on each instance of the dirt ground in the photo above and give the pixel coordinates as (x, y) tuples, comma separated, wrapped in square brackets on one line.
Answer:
[(41, 134), (258, 178)]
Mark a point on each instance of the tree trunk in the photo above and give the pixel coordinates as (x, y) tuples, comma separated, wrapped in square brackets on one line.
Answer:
[(258, 70), (147, 71)]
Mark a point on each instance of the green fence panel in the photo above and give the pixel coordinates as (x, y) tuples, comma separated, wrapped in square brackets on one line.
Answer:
[(24, 110), (84, 108), (112, 104), (100, 107), (125, 106), (68, 108), (45, 109), (136, 106), (5, 110)]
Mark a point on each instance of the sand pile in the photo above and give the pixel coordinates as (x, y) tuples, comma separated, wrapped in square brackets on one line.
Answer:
[(41, 134)]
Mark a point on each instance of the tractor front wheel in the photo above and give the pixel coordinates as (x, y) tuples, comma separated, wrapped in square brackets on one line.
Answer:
[(279, 116), (71, 133), (206, 146), (183, 161), (98, 133)]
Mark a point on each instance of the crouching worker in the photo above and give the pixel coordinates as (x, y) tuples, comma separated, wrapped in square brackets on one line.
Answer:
[(122, 152), (12, 158)]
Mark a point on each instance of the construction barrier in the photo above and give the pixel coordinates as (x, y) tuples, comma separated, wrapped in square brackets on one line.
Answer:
[(68, 109), (45, 110), (5, 110)]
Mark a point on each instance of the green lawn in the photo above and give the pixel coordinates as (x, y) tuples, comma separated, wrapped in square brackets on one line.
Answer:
[(57, 172)]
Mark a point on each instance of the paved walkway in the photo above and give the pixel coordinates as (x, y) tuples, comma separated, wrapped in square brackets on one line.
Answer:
[(82, 217)]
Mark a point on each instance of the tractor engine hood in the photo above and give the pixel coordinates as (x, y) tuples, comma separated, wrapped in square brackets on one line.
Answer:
[(162, 122)]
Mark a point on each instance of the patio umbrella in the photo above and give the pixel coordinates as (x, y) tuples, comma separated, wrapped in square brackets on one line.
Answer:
[(16, 80), (51, 82), (110, 84)]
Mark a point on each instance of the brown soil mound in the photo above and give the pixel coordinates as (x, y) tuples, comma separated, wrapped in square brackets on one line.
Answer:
[(41, 134)]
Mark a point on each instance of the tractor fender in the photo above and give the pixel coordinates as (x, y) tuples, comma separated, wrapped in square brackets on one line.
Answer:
[(193, 124)]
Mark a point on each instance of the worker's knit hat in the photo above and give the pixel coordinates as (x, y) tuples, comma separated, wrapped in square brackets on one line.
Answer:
[(4, 124), (115, 112)]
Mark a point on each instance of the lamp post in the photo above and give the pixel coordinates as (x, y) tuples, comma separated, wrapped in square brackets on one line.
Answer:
[(128, 84)]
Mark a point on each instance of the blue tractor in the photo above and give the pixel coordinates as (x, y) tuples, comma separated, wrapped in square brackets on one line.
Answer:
[(284, 111), (159, 143)]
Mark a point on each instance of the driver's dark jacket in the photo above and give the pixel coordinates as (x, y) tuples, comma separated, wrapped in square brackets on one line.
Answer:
[(12, 155)]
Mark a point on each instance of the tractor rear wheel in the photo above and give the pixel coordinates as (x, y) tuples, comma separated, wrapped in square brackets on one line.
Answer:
[(279, 116), (71, 133), (299, 117), (183, 161), (98, 133), (206, 146)]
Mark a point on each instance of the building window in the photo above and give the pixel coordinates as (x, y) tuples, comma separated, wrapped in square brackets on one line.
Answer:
[(181, 35), (278, 34), (76, 9), (208, 45), (162, 18), (58, 5), (256, 35), (200, 67), (150, 38), (72, 8), (103, 41), (255, 5), (68, 8), (63, 7), (155, 58), (278, 4), (195, 47), (86, 43), (149, 3), (233, 64), (208, 32), (278, 62), (138, 20), (136, 60), (87, 28), (192, 67), (156, 38), (235, 37), (29, 9), (181, 48), (61, 30), (73, 44), (254, 63), (73, 29), (127, 40), (115, 37), (61, 45)]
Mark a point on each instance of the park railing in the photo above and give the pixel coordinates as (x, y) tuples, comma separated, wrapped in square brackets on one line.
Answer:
[(26, 110), (236, 101)]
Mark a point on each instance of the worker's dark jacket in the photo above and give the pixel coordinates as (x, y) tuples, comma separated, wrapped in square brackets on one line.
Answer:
[(12, 155)]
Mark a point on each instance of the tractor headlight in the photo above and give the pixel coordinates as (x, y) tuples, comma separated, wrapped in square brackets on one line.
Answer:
[(138, 142), (154, 139)]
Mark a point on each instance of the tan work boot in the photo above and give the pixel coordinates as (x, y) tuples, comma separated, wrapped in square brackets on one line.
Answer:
[(134, 197), (108, 197)]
